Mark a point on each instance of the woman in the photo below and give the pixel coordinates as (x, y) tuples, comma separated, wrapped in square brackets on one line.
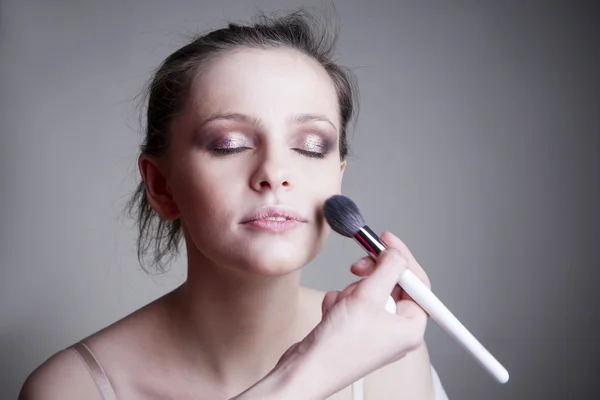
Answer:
[(246, 139)]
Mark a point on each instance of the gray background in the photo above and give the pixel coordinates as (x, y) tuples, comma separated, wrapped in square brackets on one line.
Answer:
[(477, 144)]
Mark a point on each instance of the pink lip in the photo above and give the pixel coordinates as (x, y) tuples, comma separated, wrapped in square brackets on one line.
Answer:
[(258, 219), (273, 226)]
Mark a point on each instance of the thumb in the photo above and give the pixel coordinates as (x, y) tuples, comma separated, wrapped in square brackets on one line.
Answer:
[(379, 285), (329, 300)]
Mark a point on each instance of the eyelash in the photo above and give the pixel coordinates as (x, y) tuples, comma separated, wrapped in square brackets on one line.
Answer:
[(227, 151), (311, 154), (234, 150)]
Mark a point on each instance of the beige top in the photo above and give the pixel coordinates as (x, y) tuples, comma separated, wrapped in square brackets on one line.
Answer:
[(108, 393)]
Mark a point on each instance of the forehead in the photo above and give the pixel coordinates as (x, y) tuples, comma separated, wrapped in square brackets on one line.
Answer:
[(271, 84)]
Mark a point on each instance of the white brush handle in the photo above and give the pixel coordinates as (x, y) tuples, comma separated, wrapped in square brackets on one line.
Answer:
[(421, 294)]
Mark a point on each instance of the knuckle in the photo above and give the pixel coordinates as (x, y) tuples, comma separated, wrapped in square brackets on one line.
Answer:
[(388, 238), (423, 277), (393, 255), (386, 233), (426, 280)]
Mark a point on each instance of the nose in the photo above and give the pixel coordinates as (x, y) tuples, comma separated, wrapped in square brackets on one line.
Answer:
[(272, 173)]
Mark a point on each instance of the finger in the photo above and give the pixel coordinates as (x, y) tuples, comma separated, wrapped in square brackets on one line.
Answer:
[(328, 301), (363, 267), (333, 297), (348, 290), (397, 293), (409, 309), (411, 330), (411, 324), (406, 297), (379, 285), (392, 241)]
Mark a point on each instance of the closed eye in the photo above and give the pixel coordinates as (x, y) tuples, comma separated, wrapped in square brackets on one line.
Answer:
[(228, 150), (311, 154)]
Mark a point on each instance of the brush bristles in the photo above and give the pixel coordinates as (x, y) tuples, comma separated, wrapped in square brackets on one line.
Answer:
[(343, 215)]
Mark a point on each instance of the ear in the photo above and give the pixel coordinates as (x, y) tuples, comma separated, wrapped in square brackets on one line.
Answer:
[(158, 191), (342, 169)]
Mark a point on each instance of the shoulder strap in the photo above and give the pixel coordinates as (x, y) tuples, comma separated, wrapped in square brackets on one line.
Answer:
[(100, 378), (358, 390), (440, 393)]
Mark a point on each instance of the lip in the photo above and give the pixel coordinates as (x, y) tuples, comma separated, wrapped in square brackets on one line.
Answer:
[(259, 218)]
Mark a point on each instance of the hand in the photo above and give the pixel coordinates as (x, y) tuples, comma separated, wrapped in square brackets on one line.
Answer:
[(366, 265), (356, 334)]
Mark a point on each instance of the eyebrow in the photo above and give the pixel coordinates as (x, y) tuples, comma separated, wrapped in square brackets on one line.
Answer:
[(305, 118), (298, 119)]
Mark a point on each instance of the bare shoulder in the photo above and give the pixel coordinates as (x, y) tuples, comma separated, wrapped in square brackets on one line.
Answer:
[(62, 376), (312, 300), (65, 376), (408, 378)]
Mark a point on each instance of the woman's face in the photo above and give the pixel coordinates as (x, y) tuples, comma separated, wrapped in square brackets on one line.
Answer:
[(253, 158)]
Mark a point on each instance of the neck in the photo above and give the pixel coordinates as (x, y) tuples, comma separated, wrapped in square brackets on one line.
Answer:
[(236, 325)]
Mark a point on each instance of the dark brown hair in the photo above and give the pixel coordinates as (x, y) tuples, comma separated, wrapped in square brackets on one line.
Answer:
[(168, 92)]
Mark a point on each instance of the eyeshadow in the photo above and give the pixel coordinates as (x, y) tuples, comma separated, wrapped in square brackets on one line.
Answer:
[(229, 141), (315, 143)]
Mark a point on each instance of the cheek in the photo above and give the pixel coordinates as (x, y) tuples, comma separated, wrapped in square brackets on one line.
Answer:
[(323, 180), (318, 186), (200, 187)]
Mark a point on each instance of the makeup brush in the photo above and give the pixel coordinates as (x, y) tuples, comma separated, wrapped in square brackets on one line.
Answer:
[(345, 218)]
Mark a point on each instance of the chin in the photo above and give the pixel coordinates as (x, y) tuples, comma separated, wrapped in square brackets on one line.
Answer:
[(277, 261), (265, 254), (274, 256)]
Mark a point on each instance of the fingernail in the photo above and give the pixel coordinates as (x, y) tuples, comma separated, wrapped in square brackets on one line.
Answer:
[(362, 262)]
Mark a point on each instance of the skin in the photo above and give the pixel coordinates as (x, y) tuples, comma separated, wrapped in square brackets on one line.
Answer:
[(261, 128)]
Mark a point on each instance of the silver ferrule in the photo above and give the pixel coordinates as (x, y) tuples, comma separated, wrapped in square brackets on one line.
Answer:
[(369, 241)]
